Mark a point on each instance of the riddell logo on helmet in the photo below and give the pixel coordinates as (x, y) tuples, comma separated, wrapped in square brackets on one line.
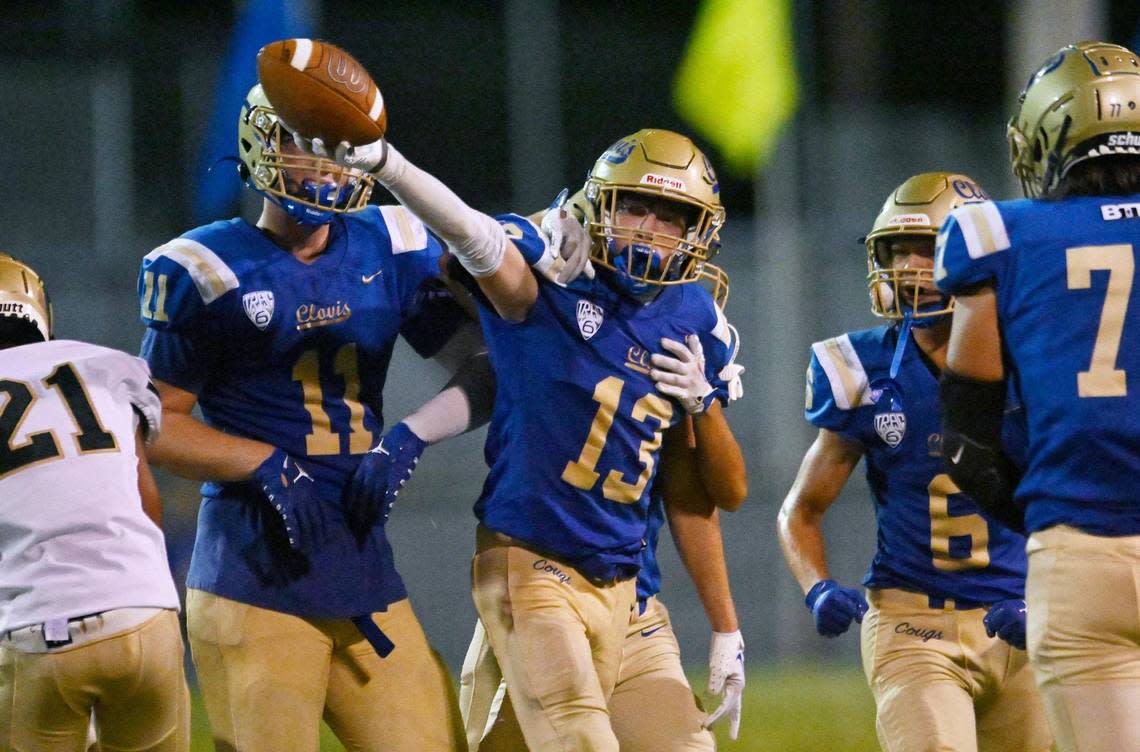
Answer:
[(1124, 139), (909, 219), (665, 182)]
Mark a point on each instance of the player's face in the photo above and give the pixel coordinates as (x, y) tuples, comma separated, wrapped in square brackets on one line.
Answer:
[(914, 253), (307, 172), (652, 217)]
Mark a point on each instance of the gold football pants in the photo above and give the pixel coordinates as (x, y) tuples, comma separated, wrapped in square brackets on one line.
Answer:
[(268, 678), (652, 706), (558, 638), (1084, 636), (132, 678), (940, 684)]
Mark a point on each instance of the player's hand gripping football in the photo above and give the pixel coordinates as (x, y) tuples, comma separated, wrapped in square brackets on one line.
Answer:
[(568, 254), (381, 474), (834, 607), (366, 157), (1006, 620), (726, 677), (291, 493), (683, 377)]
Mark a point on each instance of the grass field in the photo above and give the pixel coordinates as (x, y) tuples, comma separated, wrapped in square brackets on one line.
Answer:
[(786, 709)]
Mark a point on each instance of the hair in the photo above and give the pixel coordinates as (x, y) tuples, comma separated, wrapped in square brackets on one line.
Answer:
[(1109, 175), (15, 332)]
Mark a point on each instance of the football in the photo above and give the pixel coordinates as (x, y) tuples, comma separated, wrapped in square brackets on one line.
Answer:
[(322, 91)]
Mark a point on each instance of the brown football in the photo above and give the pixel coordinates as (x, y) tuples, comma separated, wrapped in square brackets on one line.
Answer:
[(322, 91)]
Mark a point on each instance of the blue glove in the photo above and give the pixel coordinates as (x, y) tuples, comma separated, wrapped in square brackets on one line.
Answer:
[(1006, 619), (833, 607), (381, 474), (292, 493)]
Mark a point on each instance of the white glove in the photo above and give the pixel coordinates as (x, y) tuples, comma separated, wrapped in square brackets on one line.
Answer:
[(568, 254), (683, 377), (731, 374), (366, 157), (726, 677)]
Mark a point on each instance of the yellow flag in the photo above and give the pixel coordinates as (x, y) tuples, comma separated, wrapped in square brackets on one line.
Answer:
[(737, 81)]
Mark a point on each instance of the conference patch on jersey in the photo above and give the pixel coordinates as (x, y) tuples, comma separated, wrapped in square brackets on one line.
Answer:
[(258, 307), (891, 427), (590, 318)]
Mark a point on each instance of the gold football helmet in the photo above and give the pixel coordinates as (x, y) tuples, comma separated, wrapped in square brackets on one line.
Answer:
[(311, 189), (916, 209), (1080, 104), (23, 296), (665, 170)]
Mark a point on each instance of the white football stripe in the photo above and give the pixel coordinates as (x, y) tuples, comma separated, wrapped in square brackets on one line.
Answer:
[(377, 104), (212, 276), (844, 371), (301, 54)]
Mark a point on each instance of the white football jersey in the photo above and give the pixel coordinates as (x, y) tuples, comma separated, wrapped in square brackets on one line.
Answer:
[(74, 539)]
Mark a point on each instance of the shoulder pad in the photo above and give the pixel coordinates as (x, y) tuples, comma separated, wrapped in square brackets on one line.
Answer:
[(178, 279), (970, 235), (846, 378), (405, 230)]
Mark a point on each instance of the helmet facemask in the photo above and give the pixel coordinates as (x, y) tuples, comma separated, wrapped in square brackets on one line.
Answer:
[(311, 189), (898, 290), (663, 173), (906, 227)]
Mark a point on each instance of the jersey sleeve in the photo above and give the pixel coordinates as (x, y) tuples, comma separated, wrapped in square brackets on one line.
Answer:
[(526, 236), (177, 281), (971, 248), (836, 386), (429, 315)]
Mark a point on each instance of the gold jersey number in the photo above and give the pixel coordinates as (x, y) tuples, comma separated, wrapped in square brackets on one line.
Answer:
[(581, 473), (944, 526), (321, 439), (1103, 378)]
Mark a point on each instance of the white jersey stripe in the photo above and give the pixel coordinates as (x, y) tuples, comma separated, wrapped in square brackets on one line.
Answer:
[(211, 275), (844, 371), (405, 229)]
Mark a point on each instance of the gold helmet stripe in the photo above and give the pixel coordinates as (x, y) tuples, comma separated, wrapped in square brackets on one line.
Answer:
[(982, 228), (844, 371), (211, 275)]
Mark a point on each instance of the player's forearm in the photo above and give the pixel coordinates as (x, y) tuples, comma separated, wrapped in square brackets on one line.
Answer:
[(189, 448), (148, 489), (719, 459), (701, 546), (463, 405), (477, 240), (801, 540)]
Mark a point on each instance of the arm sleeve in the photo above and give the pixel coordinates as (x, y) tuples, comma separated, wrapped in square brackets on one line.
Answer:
[(143, 396), (971, 249)]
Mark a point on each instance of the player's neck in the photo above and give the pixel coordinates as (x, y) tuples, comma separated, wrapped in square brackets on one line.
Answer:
[(933, 341), (305, 242)]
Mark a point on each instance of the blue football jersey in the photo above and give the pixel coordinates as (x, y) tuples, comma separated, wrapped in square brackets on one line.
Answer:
[(1070, 319), (649, 576), (932, 538), (294, 355), (577, 425)]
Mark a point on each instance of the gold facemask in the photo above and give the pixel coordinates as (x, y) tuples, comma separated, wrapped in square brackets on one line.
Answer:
[(660, 165), (271, 159), (917, 208)]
